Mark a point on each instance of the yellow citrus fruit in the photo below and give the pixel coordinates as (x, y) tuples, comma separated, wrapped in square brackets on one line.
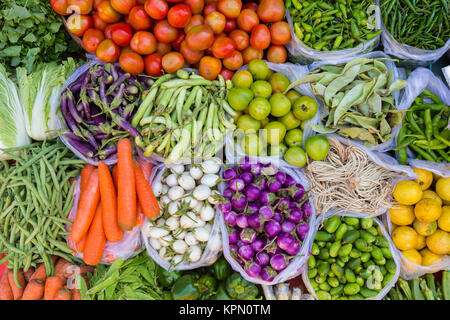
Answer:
[(404, 238), (443, 188), (439, 242), (407, 192), (430, 194), (425, 178), (444, 219), (425, 228), (413, 255), (421, 242), (428, 257), (428, 210), (401, 215)]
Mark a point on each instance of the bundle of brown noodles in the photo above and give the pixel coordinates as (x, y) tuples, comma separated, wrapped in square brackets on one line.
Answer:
[(349, 181)]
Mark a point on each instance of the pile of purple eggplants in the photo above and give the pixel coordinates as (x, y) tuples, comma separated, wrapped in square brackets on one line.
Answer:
[(266, 212), (98, 107)]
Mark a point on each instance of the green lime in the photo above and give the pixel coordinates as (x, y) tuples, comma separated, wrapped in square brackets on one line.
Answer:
[(280, 105), (317, 147), (305, 108), (279, 82), (293, 95), (242, 79), (261, 88), (294, 137), (239, 98), (248, 123), (259, 69), (295, 156), (277, 149), (274, 132), (259, 108), (290, 121)]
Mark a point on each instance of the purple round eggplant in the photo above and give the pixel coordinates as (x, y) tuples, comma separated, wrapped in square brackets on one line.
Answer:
[(233, 237), (255, 220), (242, 221), (278, 262), (268, 274), (253, 207), (239, 201), (289, 181), (302, 230), (307, 209), (230, 218), (225, 206), (258, 244), (262, 258), (245, 165), (269, 169), (230, 173), (252, 192), (277, 217), (294, 215), (228, 193), (272, 228), (247, 177), (280, 176), (266, 212), (285, 240), (256, 168), (253, 269), (248, 235), (293, 248), (274, 186), (237, 184), (287, 226), (246, 252)]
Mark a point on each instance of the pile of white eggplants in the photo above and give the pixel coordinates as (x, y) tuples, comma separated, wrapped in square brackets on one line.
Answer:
[(187, 196)]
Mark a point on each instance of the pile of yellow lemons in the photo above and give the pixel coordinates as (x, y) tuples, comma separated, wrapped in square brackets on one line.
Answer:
[(421, 218)]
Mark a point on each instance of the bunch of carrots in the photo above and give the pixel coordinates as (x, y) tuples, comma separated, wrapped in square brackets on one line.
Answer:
[(35, 285), (112, 203)]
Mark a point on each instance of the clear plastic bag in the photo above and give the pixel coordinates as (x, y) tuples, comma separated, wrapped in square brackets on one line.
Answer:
[(419, 80), (297, 264), (210, 253), (233, 151), (300, 53), (126, 248), (392, 248), (396, 74)]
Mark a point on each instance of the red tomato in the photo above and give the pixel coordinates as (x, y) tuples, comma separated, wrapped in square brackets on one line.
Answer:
[(108, 31), (260, 37), (234, 61), (107, 13), (139, 19), (240, 38), (280, 33), (143, 42), (191, 56), (91, 39), (251, 53), (247, 20), (226, 74), (208, 52), (80, 6), (223, 47), (107, 51), (200, 37), (230, 25), (172, 61), (162, 48), (216, 21), (123, 6), (121, 34), (79, 23), (230, 8), (60, 7), (195, 20), (209, 67), (98, 22), (179, 15), (125, 49), (250, 5), (132, 63), (195, 5), (152, 64), (140, 2), (276, 54), (209, 7), (164, 32), (156, 9), (177, 42), (96, 3)]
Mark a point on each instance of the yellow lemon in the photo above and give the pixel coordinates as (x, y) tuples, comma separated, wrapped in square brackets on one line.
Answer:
[(443, 188), (413, 255), (428, 210), (401, 215), (439, 242), (407, 192), (428, 257), (444, 219), (404, 238), (430, 194), (425, 178), (421, 242), (425, 228)]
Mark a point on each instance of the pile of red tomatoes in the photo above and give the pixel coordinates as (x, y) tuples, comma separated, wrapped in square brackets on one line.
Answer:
[(153, 36)]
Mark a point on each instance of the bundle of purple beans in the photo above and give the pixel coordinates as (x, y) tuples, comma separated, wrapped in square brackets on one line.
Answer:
[(266, 212), (98, 107)]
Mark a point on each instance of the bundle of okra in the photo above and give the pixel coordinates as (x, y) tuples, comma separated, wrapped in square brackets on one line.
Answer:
[(184, 115), (425, 130)]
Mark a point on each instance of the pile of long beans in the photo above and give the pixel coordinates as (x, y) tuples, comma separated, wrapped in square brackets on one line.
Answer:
[(423, 24), (424, 130), (332, 25), (184, 115), (35, 199)]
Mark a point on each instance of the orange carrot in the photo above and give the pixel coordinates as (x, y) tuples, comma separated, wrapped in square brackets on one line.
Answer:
[(126, 195), (108, 199), (34, 290), (39, 273), (146, 167), (5, 289), (86, 208), (61, 268), (27, 275), (85, 174), (140, 216), (115, 173), (145, 194), (52, 285), (17, 292), (63, 294), (76, 294), (95, 241)]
